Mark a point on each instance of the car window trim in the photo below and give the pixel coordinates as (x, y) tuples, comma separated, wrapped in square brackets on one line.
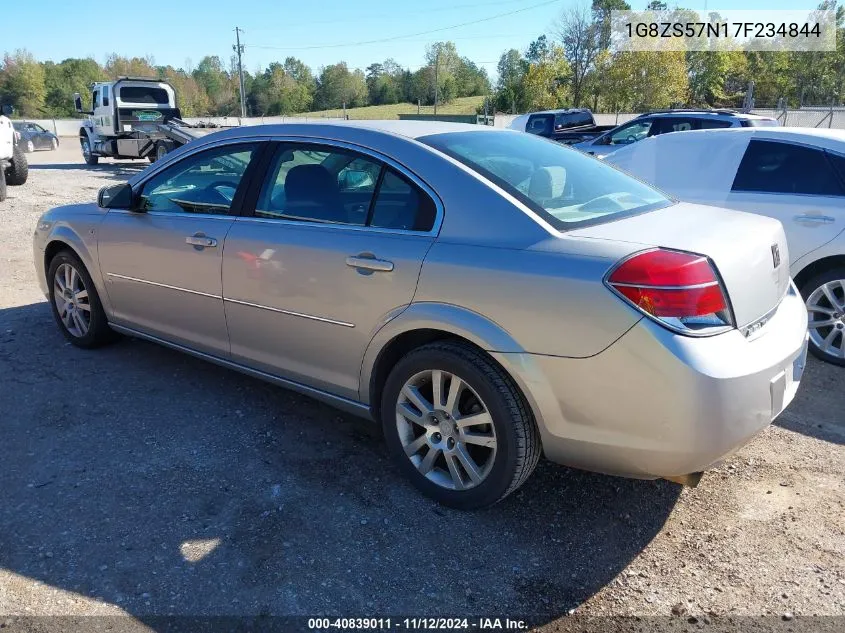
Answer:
[(801, 144), (376, 192), (237, 207), (249, 212)]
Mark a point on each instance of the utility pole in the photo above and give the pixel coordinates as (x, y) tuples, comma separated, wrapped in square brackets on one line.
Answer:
[(239, 49), (436, 65)]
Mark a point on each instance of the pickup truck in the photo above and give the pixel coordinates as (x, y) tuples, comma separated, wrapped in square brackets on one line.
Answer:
[(575, 125)]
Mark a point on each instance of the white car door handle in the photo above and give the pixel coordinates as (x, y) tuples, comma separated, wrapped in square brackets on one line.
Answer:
[(363, 262), (201, 241), (812, 217)]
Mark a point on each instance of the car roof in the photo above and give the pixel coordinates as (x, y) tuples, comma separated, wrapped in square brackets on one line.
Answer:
[(407, 129), (704, 113), (682, 162)]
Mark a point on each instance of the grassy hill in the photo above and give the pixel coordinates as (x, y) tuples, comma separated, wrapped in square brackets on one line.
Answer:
[(463, 105)]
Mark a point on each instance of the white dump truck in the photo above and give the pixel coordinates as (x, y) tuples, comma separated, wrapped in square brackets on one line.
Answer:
[(14, 169), (133, 117)]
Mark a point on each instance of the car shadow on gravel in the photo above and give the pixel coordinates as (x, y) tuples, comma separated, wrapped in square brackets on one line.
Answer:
[(117, 171), (161, 484)]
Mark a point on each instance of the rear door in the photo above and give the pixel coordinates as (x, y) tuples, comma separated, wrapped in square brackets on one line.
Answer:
[(795, 184), (328, 255)]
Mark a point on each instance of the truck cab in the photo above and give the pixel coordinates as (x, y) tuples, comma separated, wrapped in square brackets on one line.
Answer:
[(126, 118)]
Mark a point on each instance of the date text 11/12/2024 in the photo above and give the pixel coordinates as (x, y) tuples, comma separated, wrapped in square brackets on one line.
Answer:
[(417, 624)]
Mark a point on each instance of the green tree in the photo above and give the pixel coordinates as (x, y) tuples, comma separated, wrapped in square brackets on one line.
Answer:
[(580, 37), (23, 84), (66, 78), (545, 81), (337, 85), (510, 93)]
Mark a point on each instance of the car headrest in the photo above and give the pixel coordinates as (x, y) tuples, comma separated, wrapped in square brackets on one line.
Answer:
[(548, 182), (310, 182)]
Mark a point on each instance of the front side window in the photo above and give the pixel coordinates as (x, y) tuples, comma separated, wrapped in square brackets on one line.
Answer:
[(631, 133), (95, 99), (564, 186), (331, 185), (775, 167), (204, 183), (105, 95)]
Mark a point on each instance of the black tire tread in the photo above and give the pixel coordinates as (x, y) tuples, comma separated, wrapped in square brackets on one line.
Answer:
[(18, 170), (528, 445)]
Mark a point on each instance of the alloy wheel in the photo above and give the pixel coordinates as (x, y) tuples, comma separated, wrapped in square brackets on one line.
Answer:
[(30, 146), (446, 430), (826, 310), (72, 302)]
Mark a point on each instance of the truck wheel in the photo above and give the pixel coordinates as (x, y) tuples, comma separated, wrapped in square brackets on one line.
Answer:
[(18, 170), (160, 151), (2, 185), (87, 153)]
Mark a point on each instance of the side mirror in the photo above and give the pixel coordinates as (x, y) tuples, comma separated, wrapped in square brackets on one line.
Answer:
[(115, 197), (77, 102), (7, 110)]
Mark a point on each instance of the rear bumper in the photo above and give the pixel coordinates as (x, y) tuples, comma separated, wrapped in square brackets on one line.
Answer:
[(657, 404)]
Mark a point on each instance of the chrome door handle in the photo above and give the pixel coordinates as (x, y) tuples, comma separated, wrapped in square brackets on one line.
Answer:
[(201, 240), (369, 262), (811, 217)]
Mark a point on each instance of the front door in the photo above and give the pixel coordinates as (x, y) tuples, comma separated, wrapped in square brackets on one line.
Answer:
[(162, 261), (333, 250)]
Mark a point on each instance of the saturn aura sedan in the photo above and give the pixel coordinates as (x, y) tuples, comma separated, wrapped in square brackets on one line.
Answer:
[(485, 295)]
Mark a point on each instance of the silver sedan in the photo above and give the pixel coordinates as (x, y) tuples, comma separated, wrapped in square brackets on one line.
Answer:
[(485, 295)]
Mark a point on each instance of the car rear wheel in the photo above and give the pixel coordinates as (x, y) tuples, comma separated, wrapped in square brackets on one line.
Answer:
[(825, 298), (458, 426), (75, 303)]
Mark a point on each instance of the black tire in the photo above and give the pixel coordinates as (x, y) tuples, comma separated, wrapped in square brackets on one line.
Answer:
[(518, 440), (90, 158), (807, 289), (18, 170), (161, 149), (2, 185), (99, 333)]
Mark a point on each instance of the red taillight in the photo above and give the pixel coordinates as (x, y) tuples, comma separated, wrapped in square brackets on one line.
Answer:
[(679, 289)]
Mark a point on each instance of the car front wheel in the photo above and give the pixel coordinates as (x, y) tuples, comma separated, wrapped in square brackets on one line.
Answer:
[(75, 303), (825, 298), (458, 426)]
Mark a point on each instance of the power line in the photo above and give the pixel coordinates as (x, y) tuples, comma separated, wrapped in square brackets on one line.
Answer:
[(371, 16), (402, 37)]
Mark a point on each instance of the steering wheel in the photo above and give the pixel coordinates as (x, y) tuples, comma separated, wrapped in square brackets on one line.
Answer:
[(217, 184)]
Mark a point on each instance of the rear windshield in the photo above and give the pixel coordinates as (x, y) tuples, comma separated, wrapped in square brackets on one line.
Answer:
[(143, 94), (564, 186), (572, 119)]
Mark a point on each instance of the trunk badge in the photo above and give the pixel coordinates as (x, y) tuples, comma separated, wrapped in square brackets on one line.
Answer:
[(775, 255)]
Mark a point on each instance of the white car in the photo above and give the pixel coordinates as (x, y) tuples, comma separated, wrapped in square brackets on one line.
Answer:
[(795, 175)]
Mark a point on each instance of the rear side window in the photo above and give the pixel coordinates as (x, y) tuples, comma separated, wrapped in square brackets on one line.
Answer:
[(540, 124), (760, 123), (332, 185), (775, 167), (709, 124), (672, 124)]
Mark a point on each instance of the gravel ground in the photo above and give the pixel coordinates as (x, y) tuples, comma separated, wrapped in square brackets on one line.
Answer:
[(139, 481)]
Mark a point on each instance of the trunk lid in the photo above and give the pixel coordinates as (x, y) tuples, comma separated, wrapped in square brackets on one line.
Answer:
[(749, 251)]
